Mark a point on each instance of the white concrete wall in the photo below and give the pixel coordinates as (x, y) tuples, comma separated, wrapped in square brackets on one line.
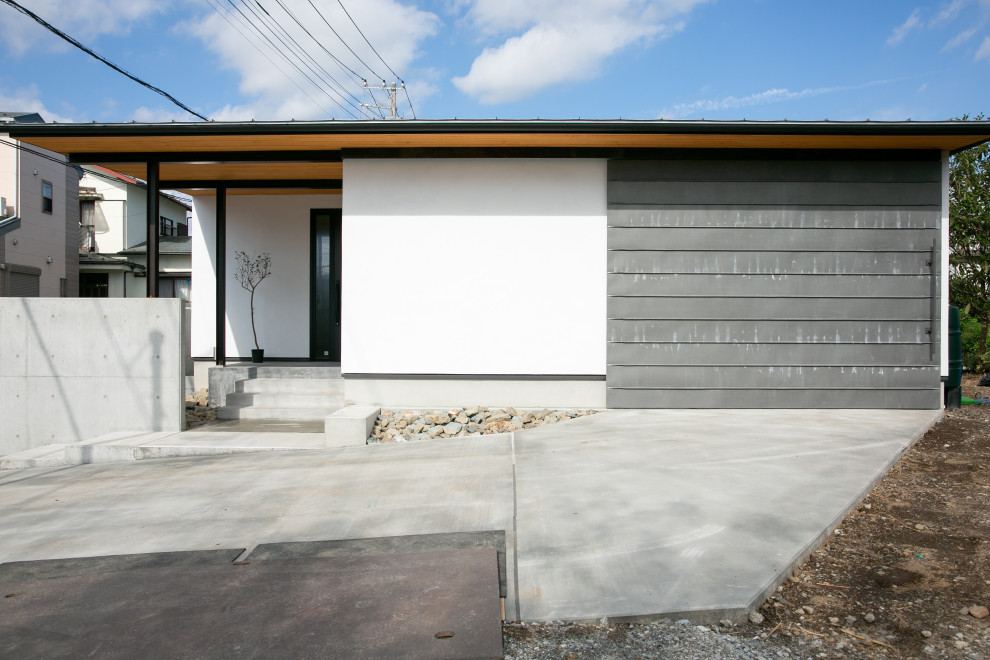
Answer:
[(41, 235), (72, 369), (474, 266), (279, 224)]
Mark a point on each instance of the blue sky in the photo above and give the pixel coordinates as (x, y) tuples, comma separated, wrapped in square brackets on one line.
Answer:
[(604, 59)]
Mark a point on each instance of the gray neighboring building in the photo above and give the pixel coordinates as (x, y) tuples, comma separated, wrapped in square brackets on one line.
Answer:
[(39, 216)]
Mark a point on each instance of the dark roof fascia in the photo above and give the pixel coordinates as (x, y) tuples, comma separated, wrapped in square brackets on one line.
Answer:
[(166, 245), (682, 127)]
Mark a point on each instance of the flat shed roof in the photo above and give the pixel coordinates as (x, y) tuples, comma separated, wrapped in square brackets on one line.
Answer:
[(306, 155)]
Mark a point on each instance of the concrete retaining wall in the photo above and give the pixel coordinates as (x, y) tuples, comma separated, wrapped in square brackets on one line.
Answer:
[(71, 369)]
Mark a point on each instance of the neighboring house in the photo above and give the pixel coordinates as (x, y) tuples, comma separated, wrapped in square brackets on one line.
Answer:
[(628, 264), (113, 238), (39, 216)]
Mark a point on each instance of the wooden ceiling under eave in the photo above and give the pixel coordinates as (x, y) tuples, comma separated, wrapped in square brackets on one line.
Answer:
[(162, 144)]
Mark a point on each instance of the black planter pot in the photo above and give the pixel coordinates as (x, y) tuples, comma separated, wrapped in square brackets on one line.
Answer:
[(257, 355)]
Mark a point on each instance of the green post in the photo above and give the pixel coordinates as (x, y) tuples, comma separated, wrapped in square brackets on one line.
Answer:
[(953, 384)]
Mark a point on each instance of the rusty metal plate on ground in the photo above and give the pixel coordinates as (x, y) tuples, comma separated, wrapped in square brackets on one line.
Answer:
[(369, 606)]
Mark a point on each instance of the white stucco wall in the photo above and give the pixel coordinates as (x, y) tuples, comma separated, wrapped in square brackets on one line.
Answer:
[(474, 266), (279, 224)]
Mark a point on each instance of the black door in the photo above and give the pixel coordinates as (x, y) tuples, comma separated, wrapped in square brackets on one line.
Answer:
[(324, 287)]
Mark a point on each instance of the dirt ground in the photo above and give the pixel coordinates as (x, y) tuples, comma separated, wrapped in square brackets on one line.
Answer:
[(899, 576)]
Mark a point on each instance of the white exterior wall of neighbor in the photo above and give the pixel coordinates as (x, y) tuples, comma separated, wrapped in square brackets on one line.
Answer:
[(279, 224), (474, 267), (123, 208), (41, 235)]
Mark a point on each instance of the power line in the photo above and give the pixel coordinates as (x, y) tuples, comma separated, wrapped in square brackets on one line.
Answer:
[(342, 39), (324, 48), (301, 51), (375, 51), (225, 15), (51, 28), (275, 34)]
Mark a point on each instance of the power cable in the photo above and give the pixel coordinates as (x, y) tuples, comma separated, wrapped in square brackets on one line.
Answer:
[(375, 51), (336, 34), (54, 30), (324, 48), (300, 52), (251, 41), (284, 43)]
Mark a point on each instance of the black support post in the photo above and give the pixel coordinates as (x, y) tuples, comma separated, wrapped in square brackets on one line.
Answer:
[(221, 277), (152, 225)]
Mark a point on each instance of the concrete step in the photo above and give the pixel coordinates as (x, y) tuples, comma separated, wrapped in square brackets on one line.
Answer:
[(302, 385), (274, 370), (286, 399), (264, 412)]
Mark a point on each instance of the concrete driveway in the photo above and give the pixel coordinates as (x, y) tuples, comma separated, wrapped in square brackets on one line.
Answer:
[(623, 514)]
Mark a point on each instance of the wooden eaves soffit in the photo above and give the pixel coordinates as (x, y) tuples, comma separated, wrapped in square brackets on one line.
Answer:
[(295, 157)]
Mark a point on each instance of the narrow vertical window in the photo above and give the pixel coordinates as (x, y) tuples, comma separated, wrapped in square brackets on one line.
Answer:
[(46, 196)]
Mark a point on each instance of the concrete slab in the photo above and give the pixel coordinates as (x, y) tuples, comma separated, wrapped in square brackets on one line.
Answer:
[(439, 605), (264, 426), (624, 514), (696, 513), (250, 499)]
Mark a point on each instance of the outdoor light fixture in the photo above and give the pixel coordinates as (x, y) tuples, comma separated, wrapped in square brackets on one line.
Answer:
[(49, 260)]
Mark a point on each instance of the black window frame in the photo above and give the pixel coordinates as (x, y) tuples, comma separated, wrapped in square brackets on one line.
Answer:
[(47, 203)]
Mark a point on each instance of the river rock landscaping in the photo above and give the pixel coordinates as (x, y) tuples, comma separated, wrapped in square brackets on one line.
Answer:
[(407, 426)]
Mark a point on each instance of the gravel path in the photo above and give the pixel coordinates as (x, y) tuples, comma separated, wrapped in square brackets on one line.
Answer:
[(664, 639)]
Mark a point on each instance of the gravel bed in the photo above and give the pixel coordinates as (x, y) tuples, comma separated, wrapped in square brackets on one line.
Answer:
[(408, 425), (664, 639)]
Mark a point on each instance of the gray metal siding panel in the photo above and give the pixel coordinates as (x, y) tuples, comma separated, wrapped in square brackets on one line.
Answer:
[(768, 332), (884, 286), (797, 263), (756, 308), (665, 353), (772, 284), (774, 398), (771, 376), (775, 170), (804, 217), (786, 240), (743, 193)]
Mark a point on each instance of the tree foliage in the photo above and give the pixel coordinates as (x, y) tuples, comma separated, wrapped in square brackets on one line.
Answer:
[(969, 237), (251, 271)]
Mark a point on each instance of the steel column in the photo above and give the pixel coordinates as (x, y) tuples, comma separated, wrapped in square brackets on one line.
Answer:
[(152, 227), (221, 278)]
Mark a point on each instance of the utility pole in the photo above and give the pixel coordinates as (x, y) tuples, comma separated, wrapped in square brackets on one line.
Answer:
[(391, 107)]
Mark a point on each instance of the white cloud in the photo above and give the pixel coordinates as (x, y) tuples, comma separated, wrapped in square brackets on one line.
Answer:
[(776, 95), (560, 41), (279, 91), (913, 21), (145, 114), (984, 50), (82, 19), (27, 99), (949, 12), (960, 38)]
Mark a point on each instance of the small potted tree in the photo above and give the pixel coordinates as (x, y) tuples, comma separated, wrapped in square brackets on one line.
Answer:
[(251, 271)]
